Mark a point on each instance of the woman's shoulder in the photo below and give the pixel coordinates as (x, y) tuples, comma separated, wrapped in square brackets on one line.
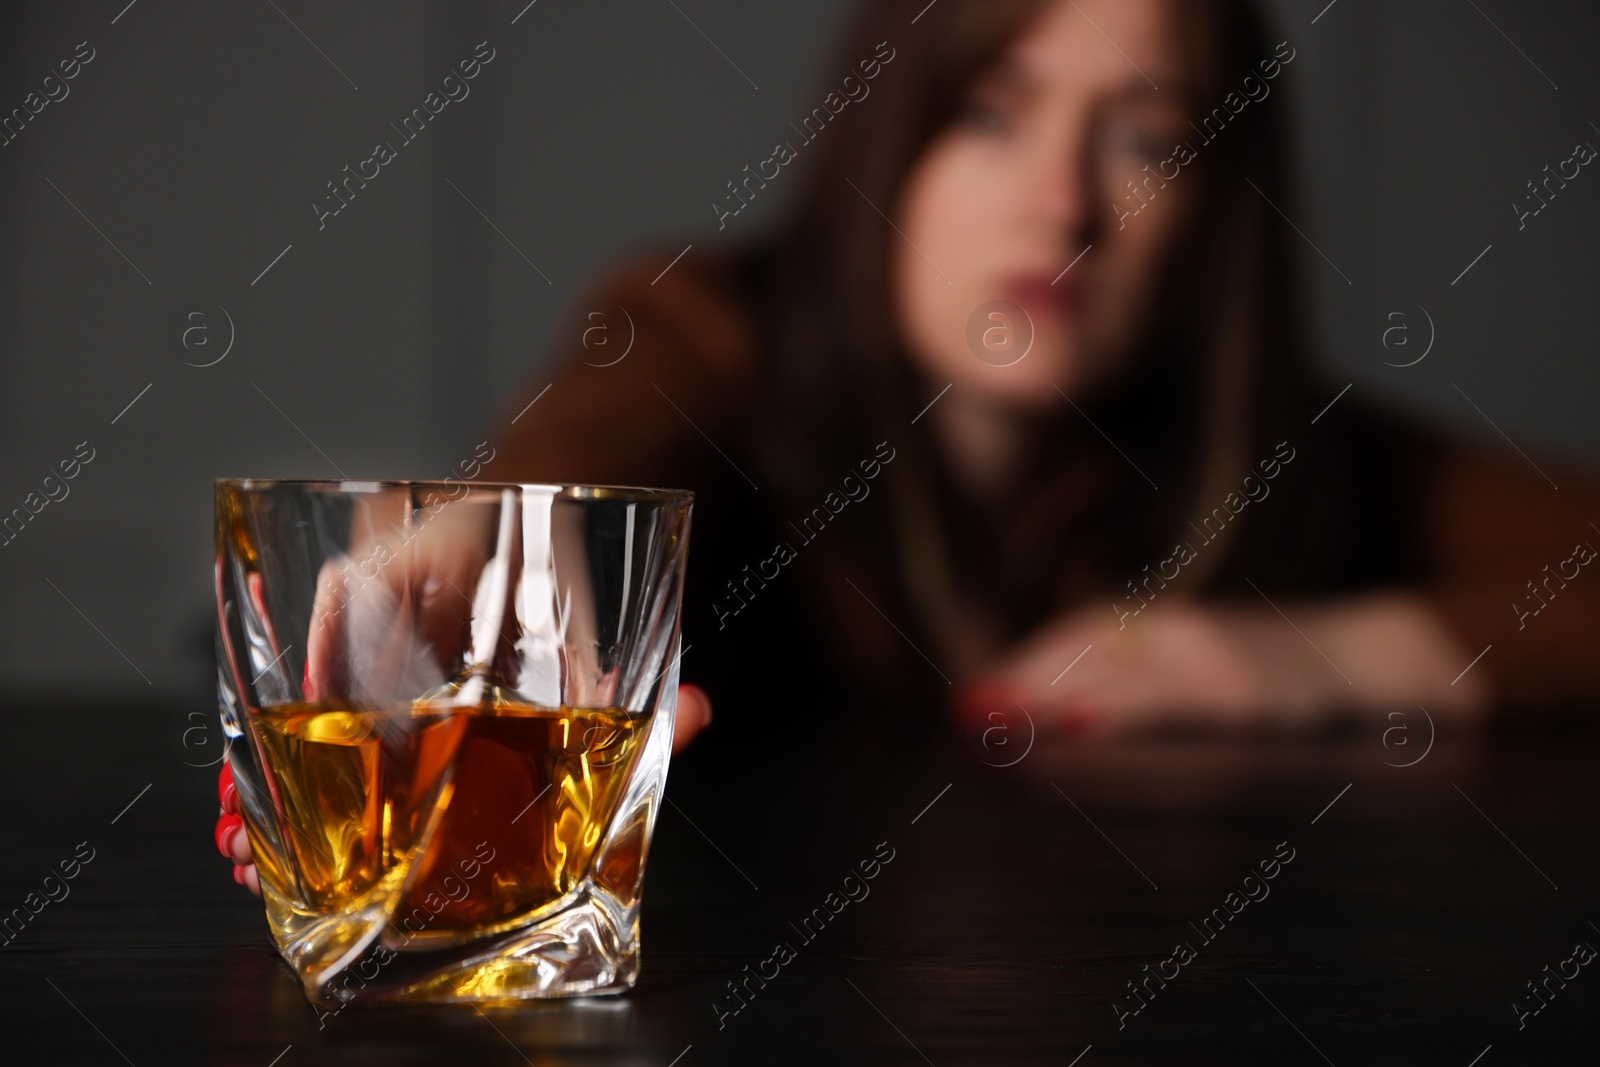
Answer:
[(700, 302), (656, 354), (1477, 490), (1384, 426)]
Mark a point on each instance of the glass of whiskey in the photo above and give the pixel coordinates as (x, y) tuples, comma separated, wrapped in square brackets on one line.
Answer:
[(449, 709)]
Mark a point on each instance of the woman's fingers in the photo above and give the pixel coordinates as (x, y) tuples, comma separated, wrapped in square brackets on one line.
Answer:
[(1200, 665), (231, 839), (694, 715), (246, 876), (990, 704), (1057, 680)]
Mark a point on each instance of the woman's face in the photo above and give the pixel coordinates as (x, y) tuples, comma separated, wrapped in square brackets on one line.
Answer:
[(1033, 178)]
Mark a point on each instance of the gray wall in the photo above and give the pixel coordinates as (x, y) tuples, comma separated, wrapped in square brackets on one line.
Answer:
[(200, 134)]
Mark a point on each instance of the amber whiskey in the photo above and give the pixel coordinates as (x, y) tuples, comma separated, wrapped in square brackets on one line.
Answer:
[(453, 819)]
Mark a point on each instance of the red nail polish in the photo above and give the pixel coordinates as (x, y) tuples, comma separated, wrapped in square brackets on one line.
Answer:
[(238, 875), (227, 826), (1072, 723), (969, 691), (976, 700), (227, 793), (1074, 716)]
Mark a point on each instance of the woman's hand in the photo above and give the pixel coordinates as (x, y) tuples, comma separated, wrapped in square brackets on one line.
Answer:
[(694, 715), (1228, 666)]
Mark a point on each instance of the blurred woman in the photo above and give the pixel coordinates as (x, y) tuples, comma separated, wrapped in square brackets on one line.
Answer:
[(1016, 408), (1037, 262)]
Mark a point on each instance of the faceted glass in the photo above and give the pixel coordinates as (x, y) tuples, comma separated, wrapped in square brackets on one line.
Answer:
[(449, 708)]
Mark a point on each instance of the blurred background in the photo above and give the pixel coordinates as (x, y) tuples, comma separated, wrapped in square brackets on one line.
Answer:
[(177, 174)]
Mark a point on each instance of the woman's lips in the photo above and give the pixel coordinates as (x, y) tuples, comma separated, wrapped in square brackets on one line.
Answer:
[(1044, 298)]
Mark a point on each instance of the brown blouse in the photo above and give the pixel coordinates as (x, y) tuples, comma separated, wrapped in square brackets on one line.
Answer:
[(657, 382)]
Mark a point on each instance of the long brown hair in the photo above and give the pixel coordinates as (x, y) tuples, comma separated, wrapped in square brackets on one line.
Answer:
[(1218, 377)]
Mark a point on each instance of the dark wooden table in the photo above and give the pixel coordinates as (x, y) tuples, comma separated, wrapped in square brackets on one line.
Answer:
[(1020, 902)]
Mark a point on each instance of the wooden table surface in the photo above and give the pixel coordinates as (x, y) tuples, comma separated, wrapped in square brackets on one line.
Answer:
[(1408, 908)]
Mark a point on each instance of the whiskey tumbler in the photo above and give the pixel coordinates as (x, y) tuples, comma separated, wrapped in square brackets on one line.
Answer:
[(449, 709)]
